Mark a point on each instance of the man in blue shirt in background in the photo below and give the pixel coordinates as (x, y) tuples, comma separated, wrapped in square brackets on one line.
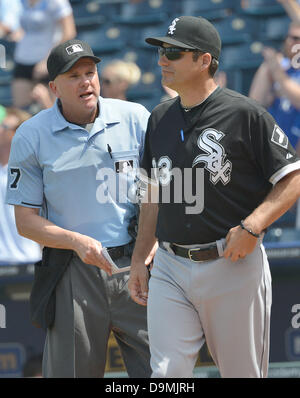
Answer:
[(276, 85), (71, 178)]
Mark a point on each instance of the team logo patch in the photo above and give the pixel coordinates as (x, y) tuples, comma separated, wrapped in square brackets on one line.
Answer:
[(279, 138), (74, 48), (214, 160), (124, 166), (172, 27)]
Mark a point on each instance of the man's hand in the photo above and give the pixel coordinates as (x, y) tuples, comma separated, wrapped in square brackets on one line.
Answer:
[(90, 252), (138, 283), (139, 277), (239, 243)]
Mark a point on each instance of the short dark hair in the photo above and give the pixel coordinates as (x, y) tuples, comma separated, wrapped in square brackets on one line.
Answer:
[(213, 65)]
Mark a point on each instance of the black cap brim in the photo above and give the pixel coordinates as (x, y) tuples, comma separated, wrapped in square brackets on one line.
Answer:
[(158, 41), (69, 65)]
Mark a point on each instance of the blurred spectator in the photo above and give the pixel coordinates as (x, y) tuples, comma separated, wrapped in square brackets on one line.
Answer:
[(10, 11), (14, 249), (117, 77), (45, 24), (292, 8), (276, 85), (33, 366)]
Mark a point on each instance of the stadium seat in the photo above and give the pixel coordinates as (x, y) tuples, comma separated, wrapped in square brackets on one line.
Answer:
[(93, 13), (242, 56), (210, 9), (5, 76), (7, 47), (237, 29), (275, 28), (5, 95), (260, 8), (276, 234), (149, 31), (145, 12), (105, 39)]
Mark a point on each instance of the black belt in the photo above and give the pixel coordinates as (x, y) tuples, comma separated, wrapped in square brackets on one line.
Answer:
[(116, 252), (197, 254)]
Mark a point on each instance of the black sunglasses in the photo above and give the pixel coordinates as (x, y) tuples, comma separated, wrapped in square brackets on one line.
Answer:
[(173, 53)]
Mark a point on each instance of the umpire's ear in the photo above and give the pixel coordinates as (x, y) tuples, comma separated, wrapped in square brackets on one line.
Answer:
[(53, 88)]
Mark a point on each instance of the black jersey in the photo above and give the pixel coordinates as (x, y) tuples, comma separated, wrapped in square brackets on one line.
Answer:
[(239, 152)]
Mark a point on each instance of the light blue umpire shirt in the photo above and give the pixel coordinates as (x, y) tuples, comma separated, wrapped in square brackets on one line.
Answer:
[(82, 181)]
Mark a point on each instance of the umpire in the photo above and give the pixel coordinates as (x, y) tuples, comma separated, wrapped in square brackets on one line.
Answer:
[(211, 279), (65, 171)]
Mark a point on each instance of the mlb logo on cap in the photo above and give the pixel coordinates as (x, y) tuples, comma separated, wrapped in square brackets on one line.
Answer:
[(65, 55), (74, 48)]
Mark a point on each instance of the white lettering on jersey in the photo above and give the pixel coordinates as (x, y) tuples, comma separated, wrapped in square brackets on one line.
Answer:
[(172, 27), (279, 138), (214, 161), (164, 166)]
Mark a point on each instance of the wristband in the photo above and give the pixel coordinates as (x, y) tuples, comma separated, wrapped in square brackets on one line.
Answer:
[(248, 230)]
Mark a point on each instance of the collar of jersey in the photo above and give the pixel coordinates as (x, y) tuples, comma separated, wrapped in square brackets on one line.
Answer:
[(106, 116)]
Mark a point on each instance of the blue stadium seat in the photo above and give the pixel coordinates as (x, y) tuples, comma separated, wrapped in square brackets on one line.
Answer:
[(145, 12), (88, 13), (279, 235), (5, 95), (276, 28), (237, 29), (9, 47), (5, 76), (210, 9), (149, 31), (242, 56), (261, 8), (105, 39)]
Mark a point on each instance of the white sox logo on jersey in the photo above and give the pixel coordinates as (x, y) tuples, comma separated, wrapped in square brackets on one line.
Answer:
[(162, 170), (172, 27), (214, 161)]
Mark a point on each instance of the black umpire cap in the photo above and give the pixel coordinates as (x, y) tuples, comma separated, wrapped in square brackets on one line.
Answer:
[(192, 33), (65, 55)]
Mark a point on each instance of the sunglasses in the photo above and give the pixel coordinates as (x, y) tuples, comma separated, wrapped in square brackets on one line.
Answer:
[(173, 53)]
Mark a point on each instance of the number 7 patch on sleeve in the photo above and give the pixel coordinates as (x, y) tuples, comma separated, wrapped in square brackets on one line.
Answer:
[(16, 174)]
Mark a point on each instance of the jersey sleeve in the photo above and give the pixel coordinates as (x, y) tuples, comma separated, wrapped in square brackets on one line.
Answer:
[(272, 150), (25, 178)]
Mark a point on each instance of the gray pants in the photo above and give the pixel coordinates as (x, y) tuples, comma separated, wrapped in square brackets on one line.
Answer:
[(89, 304), (223, 303)]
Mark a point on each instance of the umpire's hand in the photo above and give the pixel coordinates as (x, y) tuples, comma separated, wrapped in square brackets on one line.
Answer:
[(90, 252)]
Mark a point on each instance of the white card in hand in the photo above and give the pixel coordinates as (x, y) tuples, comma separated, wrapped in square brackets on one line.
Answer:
[(115, 269)]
